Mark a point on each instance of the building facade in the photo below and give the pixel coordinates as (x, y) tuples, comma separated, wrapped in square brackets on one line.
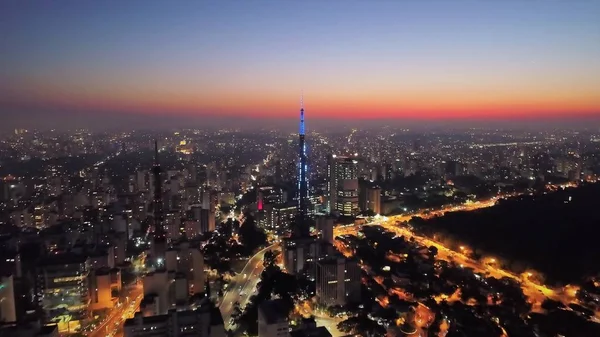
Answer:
[(62, 288), (7, 299), (338, 281)]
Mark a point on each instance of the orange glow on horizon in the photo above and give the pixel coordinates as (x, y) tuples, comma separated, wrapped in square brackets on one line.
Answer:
[(409, 104)]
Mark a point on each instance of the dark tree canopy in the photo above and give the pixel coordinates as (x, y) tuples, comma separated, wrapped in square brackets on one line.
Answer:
[(251, 236), (554, 233)]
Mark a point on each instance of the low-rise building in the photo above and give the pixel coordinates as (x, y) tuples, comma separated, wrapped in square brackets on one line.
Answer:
[(205, 321)]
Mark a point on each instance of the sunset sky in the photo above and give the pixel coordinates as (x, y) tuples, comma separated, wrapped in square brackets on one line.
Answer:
[(410, 59)]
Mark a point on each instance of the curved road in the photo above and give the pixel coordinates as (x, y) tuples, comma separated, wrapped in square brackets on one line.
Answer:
[(243, 284)]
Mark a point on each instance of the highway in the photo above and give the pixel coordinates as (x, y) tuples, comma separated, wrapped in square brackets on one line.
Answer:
[(243, 284)]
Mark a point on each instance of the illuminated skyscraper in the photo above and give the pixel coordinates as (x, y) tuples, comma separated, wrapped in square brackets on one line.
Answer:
[(343, 185), (303, 198), (159, 242)]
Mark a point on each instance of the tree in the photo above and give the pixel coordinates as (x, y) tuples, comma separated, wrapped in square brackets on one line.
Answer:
[(361, 325), (433, 251), (551, 305), (251, 236), (236, 313), (270, 258)]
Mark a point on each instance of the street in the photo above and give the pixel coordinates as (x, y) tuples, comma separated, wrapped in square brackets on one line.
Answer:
[(113, 324)]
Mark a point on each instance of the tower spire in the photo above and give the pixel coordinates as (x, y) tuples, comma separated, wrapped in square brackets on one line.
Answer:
[(302, 113), (159, 241), (156, 153), (303, 200)]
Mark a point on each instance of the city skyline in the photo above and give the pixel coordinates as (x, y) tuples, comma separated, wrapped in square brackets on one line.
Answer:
[(85, 62), (290, 169), (390, 224)]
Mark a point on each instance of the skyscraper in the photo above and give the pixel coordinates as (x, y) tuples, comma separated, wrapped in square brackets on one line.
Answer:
[(337, 281), (159, 242), (343, 185)]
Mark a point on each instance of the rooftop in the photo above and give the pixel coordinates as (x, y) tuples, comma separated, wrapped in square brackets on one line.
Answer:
[(311, 332), (273, 311)]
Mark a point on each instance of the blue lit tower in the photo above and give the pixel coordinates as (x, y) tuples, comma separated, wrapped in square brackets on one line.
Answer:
[(159, 240), (303, 200)]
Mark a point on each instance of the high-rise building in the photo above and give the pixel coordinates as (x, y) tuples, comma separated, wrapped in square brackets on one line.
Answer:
[(373, 201), (325, 228), (205, 218), (338, 281), (281, 217), (299, 254), (343, 185)]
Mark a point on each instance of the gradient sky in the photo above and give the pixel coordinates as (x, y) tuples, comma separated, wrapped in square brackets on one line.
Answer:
[(356, 59)]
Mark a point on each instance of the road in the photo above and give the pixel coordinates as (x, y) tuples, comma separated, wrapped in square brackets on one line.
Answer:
[(331, 325), (243, 284), (113, 323), (321, 318)]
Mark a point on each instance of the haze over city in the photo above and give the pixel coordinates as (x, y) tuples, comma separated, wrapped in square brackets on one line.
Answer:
[(86, 63)]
